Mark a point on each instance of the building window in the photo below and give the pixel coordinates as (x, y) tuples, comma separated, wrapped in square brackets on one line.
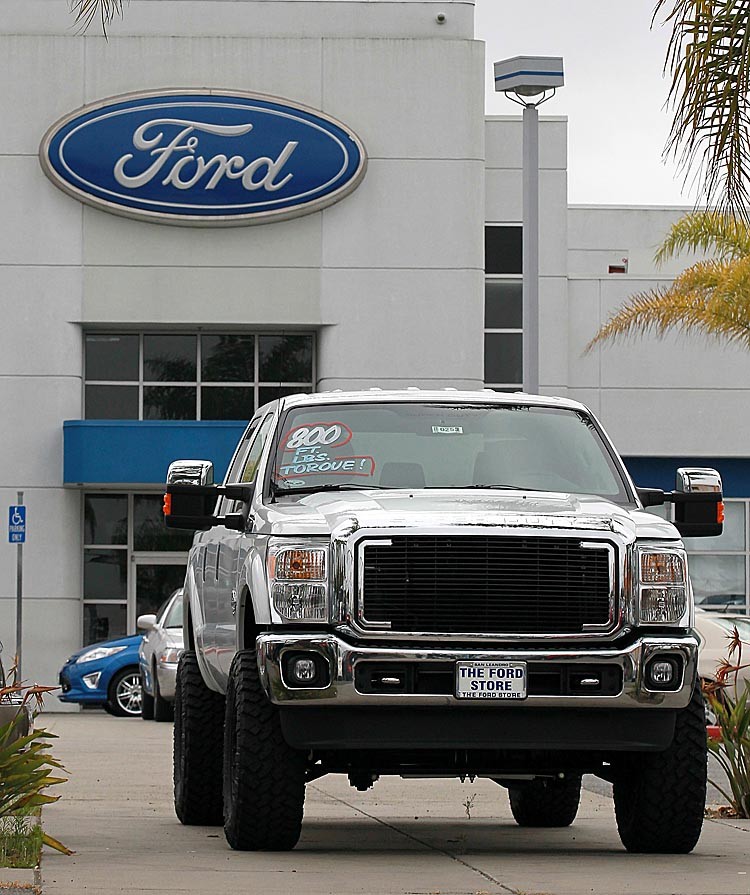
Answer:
[(131, 562), (192, 376), (503, 311), (720, 567)]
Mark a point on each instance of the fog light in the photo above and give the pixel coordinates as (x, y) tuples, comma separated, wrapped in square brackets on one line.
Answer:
[(304, 670), (92, 680), (663, 673)]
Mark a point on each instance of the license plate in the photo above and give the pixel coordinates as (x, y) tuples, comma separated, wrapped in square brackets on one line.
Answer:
[(491, 680)]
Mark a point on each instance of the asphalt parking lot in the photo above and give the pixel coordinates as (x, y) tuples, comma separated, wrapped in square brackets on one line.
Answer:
[(429, 837)]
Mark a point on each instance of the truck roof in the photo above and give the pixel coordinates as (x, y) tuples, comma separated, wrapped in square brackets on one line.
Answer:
[(450, 395)]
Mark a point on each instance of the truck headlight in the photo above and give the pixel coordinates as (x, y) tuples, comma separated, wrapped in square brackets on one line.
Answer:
[(297, 577), (662, 585)]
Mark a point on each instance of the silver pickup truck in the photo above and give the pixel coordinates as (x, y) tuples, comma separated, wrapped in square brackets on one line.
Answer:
[(437, 584)]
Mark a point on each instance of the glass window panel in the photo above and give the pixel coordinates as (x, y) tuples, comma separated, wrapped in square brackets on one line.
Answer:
[(285, 358), (503, 250), (111, 402), (104, 621), (227, 403), (269, 393), (718, 581), (256, 449), (169, 402), (112, 357), (503, 304), (174, 618), (502, 357), (149, 530), (733, 536), (169, 358), (227, 358), (105, 574), (154, 584), (105, 519)]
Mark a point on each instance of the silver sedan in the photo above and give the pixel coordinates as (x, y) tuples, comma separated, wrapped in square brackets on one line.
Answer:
[(714, 633), (158, 657)]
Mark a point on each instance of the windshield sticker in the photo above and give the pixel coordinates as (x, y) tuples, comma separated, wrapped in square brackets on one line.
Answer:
[(332, 435), (447, 430), (309, 461)]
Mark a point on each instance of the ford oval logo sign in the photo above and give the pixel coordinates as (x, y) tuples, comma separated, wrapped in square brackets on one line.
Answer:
[(203, 157)]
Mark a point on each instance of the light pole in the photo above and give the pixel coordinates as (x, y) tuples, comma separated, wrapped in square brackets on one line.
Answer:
[(530, 81)]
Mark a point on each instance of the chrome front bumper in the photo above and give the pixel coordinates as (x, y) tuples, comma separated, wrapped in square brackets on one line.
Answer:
[(342, 658)]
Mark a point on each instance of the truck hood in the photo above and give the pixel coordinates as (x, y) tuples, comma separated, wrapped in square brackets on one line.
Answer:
[(321, 513)]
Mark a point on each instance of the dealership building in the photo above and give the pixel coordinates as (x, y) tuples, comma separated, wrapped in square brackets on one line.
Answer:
[(169, 262)]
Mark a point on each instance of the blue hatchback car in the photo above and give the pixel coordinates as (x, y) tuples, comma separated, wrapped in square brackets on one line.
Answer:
[(105, 674)]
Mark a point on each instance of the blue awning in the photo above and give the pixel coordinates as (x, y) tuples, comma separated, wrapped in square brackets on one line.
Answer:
[(138, 452)]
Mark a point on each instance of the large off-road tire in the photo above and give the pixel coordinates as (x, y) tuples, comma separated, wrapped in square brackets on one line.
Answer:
[(163, 710), (660, 797), (264, 778), (546, 803), (198, 743)]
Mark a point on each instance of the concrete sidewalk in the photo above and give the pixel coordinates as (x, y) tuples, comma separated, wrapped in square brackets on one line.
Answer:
[(400, 837)]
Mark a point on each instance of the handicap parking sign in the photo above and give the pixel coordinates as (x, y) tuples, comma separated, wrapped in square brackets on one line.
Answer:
[(17, 524)]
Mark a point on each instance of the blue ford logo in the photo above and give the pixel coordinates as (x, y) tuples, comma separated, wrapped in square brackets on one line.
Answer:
[(200, 157)]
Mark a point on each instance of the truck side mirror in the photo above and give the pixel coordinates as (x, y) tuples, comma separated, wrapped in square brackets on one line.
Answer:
[(190, 499), (699, 502)]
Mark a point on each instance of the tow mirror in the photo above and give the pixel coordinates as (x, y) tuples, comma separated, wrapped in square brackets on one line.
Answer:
[(146, 622), (191, 496), (698, 499), (699, 503)]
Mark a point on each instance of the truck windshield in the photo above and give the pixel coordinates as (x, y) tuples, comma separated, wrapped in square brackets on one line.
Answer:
[(415, 445)]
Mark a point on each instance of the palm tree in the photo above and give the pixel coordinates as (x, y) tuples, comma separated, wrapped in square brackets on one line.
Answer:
[(709, 61), (88, 10), (709, 298)]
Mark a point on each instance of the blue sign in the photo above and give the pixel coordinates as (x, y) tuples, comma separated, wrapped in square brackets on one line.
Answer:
[(17, 524), (199, 157)]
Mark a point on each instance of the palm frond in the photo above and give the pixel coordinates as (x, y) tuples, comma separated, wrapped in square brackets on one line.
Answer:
[(728, 236), (711, 298), (88, 10), (709, 60)]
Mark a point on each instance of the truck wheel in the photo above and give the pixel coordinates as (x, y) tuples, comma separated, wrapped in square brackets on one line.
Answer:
[(546, 803), (660, 796), (264, 778), (163, 710), (198, 738)]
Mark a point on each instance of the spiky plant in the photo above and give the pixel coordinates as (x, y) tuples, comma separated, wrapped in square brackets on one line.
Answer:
[(710, 298)]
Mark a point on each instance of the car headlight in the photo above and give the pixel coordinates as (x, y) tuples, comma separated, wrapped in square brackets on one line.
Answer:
[(663, 586), (297, 578), (99, 652), (170, 656)]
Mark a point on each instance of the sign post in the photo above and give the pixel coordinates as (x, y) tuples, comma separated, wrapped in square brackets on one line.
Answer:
[(17, 536)]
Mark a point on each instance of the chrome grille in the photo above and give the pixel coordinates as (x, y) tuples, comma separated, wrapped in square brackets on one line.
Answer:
[(486, 584)]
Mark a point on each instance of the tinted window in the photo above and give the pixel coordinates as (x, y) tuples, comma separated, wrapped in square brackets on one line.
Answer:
[(503, 250)]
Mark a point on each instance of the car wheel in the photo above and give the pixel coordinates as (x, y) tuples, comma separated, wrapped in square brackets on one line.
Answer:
[(125, 694), (198, 742), (546, 803), (264, 778), (163, 710), (660, 796), (147, 703)]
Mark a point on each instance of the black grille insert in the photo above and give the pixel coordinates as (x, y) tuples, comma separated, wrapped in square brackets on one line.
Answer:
[(488, 584)]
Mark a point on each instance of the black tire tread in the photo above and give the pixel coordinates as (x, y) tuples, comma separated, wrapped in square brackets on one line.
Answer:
[(198, 740), (660, 797), (546, 803), (147, 703), (264, 778), (112, 706)]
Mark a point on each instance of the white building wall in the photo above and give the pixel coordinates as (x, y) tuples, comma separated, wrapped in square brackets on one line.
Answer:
[(391, 276), (684, 396)]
